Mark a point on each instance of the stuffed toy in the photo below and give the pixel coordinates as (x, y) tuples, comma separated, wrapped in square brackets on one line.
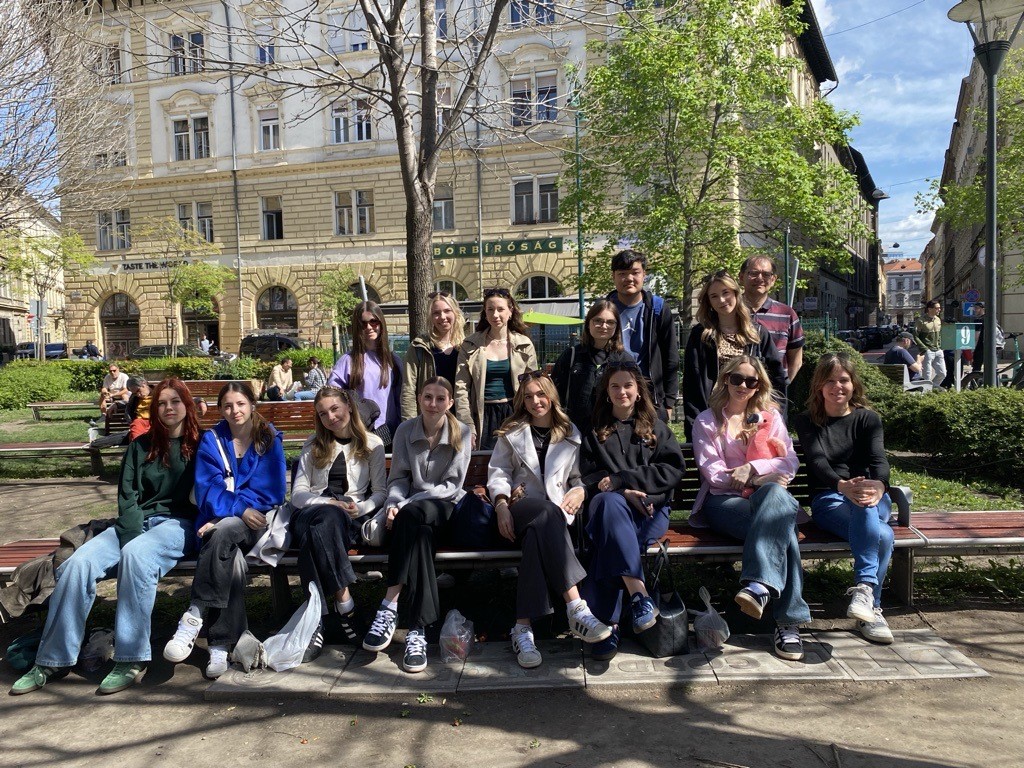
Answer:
[(762, 445)]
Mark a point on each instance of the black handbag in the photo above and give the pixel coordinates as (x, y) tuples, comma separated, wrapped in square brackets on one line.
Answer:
[(668, 635)]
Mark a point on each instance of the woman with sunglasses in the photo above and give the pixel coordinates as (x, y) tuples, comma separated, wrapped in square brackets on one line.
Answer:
[(490, 363), (428, 471), (631, 463), (435, 354), (748, 500), (371, 370), (154, 530), (534, 479), (577, 369), (845, 449), (724, 330), (240, 476)]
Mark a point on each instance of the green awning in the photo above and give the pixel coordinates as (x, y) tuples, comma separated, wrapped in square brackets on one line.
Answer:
[(545, 318)]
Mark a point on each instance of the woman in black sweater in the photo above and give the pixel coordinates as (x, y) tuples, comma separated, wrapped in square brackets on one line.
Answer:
[(843, 444), (630, 463)]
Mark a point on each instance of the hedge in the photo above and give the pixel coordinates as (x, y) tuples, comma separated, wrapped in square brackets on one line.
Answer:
[(24, 384), (300, 357)]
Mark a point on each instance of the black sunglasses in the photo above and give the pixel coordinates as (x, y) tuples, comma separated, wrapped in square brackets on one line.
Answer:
[(497, 292), (750, 382), (438, 295), (531, 375), (621, 365)]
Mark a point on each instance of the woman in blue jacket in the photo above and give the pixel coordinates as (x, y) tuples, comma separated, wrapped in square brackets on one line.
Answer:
[(240, 476)]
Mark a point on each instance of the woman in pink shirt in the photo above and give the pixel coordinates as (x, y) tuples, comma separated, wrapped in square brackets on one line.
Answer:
[(744, 495)]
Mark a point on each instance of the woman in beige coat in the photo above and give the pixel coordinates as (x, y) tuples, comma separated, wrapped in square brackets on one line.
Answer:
[(490, 363)]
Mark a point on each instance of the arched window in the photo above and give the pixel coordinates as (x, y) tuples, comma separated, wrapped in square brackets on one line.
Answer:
[(371, 294), (276, 308), (119, 318), (538, 287), (452, 288)]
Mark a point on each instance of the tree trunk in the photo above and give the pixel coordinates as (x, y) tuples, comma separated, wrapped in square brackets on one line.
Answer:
[(419, 257)]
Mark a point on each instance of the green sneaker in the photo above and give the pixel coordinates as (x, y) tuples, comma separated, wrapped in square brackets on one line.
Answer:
[(124, 675), (36, 678)]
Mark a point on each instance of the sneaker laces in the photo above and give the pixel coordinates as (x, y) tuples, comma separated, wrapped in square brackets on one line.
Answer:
[(524, 640), (586, 618), (789, 634), (218, 655), (187, 631), (416, 643), (382, 622)]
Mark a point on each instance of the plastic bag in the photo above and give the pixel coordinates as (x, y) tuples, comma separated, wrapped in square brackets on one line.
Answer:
[(98, 649), (456, 637), (284, 650), (709, 627)]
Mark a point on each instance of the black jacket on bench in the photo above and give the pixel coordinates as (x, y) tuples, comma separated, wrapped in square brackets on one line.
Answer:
[(655, 470)]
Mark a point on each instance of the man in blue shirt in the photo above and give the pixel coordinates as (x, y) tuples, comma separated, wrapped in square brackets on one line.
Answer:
[(899, 354), (648, 329)]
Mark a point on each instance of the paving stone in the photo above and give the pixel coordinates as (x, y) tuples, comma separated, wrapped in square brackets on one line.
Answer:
[(493, 666), (633, 665), (378, 673), (313, 680), (750, 657), (915, 654)]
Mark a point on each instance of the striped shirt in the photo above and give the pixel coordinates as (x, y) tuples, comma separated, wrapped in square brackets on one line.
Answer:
[(783, 324)]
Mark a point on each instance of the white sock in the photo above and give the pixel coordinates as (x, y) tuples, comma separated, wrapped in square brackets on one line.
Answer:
[(757, 588), (571, 605), (520, 628), (393, 605), (345, 607)]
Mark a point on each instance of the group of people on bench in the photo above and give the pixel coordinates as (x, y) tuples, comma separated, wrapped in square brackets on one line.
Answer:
[(607, 463)]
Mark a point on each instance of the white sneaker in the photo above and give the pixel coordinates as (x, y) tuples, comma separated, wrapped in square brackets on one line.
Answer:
[(218, 663), (526, 650), (862, 603), (180, 646), (877, 630), (586, 625)]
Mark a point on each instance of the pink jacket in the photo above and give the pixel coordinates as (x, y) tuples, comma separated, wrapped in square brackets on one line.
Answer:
[(717, 453)]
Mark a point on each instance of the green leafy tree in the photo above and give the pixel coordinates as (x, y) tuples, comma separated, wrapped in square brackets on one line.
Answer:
[(336, 299), (694, 145), (194, 285), (42, 263)]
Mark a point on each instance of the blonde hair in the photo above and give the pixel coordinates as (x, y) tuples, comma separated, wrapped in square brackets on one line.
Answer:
[(763, 399), (454, 425), (707, 316), (827, 364), (323, 438), (561, 426), (458, 334)]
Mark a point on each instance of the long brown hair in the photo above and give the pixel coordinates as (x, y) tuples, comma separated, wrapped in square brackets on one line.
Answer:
[(603, 305), (561, 426), (454, 425), (387, 359), (644, 415), (323, 438), (262, 435), (707, 316), (159, 439), (515, 322), (761, 401), (827, 364)]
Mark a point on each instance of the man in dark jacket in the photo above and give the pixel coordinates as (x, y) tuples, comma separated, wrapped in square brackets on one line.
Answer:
[(648, 329)]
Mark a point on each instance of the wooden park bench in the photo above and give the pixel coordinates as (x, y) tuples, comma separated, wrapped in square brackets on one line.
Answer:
[(899, 374), (39, 408)]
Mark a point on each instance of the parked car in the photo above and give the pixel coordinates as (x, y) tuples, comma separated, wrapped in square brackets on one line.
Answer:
[(266, 346), (872, 336), (851, 338), (57, 350), (164, 350)]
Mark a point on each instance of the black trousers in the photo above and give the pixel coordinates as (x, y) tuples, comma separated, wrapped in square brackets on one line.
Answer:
[(411, 556), (324, 533), (548, 563), (221, 575)]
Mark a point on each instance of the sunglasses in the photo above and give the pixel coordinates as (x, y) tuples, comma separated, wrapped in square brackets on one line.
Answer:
[(497, 292), (375, 323), (524, 377), (439, 295), (763, 274), (750, 382), (621, 365)]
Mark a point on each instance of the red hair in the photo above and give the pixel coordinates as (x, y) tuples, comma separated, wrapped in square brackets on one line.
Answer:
[(159, 440)]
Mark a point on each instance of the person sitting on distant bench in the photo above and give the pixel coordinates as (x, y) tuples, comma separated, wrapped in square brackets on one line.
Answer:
[(114, 390), (279, 383), (899, 354), (91, 351)]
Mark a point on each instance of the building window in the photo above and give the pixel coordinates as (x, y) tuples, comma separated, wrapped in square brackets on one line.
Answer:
[(276, 307), (110, 160), (547, 97), (198, 217), (452, 288), (441, 18), (538, 287), (350, 121), (114, 230), (265, 44), (191, 138), (270, 129), (524, 12), (111, 70), (273, 218), (535, 200), (188, 53), (358, 39), (444, 108), (522, 106), (353, 213), (526, 111), (444, 207)]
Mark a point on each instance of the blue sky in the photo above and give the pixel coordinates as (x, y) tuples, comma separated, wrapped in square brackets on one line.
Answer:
[(902, 76)]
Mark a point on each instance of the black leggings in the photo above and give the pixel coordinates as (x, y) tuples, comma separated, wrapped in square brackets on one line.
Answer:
[(411, 556), (548, 563), (324, 533)]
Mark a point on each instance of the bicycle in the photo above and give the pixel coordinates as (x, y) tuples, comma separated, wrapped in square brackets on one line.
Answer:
[(1011, 375)]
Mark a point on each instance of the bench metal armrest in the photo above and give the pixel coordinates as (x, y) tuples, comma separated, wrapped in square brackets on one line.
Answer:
[(902, 496)]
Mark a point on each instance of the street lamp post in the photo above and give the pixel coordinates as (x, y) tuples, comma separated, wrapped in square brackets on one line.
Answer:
[(983, 16)]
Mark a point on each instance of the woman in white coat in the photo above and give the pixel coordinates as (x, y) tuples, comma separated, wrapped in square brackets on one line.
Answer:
[(534, 479), (339, 483)]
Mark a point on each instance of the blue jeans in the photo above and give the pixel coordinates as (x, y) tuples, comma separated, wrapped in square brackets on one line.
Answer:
[(866, 528), (138, 567), (306, 394), (766, 524), (619, 535)]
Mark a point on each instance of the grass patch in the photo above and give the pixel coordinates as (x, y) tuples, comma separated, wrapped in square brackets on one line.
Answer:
[(956, 579), (933, 493), (18, 425)]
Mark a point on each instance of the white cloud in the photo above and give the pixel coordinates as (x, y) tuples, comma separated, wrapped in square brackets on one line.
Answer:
[(826, 15)]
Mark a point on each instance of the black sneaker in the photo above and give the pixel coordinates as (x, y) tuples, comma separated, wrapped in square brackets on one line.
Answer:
[(350, 627), (415, 658), (381, 631), (605, 650), (316, 645), (788, 644), (752, 603)]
